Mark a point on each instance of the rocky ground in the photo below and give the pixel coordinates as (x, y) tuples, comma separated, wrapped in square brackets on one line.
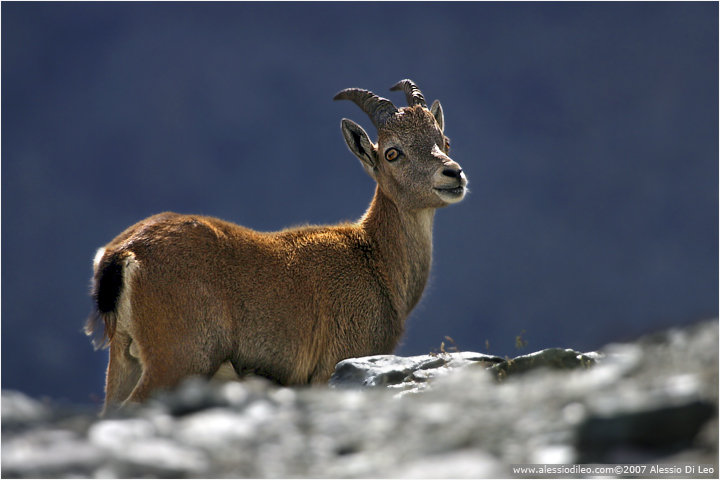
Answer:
[(450, 415)]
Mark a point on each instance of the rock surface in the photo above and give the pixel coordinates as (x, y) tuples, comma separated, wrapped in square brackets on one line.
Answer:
[(459, 415)]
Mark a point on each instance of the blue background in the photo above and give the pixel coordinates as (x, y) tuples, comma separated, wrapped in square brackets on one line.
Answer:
[(589, 134)]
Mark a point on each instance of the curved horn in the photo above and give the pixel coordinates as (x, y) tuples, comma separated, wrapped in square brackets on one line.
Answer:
[(378, 109), (412, 92)]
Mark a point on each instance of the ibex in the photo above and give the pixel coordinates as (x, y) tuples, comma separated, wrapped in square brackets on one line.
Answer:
[(183, 295)]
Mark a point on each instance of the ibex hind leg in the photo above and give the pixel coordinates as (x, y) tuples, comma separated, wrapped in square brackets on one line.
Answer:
[(123, 373), (168, 367)]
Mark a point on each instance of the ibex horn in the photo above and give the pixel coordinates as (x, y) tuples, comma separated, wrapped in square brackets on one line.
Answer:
[(412, 92), (378, 109)]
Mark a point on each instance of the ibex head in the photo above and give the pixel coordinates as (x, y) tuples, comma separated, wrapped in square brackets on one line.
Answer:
[(410, 161)]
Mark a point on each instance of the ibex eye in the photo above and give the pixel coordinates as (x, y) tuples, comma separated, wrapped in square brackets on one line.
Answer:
[(447, 145), (391, 154)]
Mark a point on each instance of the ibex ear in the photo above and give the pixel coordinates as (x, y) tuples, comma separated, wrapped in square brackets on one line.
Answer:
[(436, 110), (359, 143)]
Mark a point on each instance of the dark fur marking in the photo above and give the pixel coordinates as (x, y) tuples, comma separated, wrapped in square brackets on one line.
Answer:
[(107, 287), (108, 283)]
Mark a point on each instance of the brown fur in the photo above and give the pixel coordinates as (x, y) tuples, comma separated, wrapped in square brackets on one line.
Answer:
[(196, 292)]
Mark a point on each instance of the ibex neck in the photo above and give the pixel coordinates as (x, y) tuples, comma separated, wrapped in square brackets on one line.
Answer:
[(404, 242)]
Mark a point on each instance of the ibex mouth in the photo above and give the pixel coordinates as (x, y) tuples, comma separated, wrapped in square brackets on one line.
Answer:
[(451, 195)]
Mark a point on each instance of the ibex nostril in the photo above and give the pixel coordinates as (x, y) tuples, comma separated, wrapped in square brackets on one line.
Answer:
[(452, 173)]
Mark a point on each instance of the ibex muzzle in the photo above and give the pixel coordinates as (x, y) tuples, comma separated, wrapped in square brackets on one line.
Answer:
[(185, 295)]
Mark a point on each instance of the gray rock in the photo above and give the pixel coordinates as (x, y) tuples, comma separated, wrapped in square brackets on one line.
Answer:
[(49, 453), (403, 372), (670, 427), (555, 358), (449, 415), (18, 408)]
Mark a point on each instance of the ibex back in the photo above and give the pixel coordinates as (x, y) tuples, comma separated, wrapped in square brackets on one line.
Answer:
[(183, 295)]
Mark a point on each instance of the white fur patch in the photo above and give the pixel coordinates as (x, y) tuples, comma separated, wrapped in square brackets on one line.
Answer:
[(124, 304), (98, 256)]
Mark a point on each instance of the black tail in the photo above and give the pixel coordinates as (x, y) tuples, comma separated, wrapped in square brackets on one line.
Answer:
[(106, 290)]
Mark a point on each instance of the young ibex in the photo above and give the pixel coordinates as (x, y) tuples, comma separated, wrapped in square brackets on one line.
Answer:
[(181, 295)]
